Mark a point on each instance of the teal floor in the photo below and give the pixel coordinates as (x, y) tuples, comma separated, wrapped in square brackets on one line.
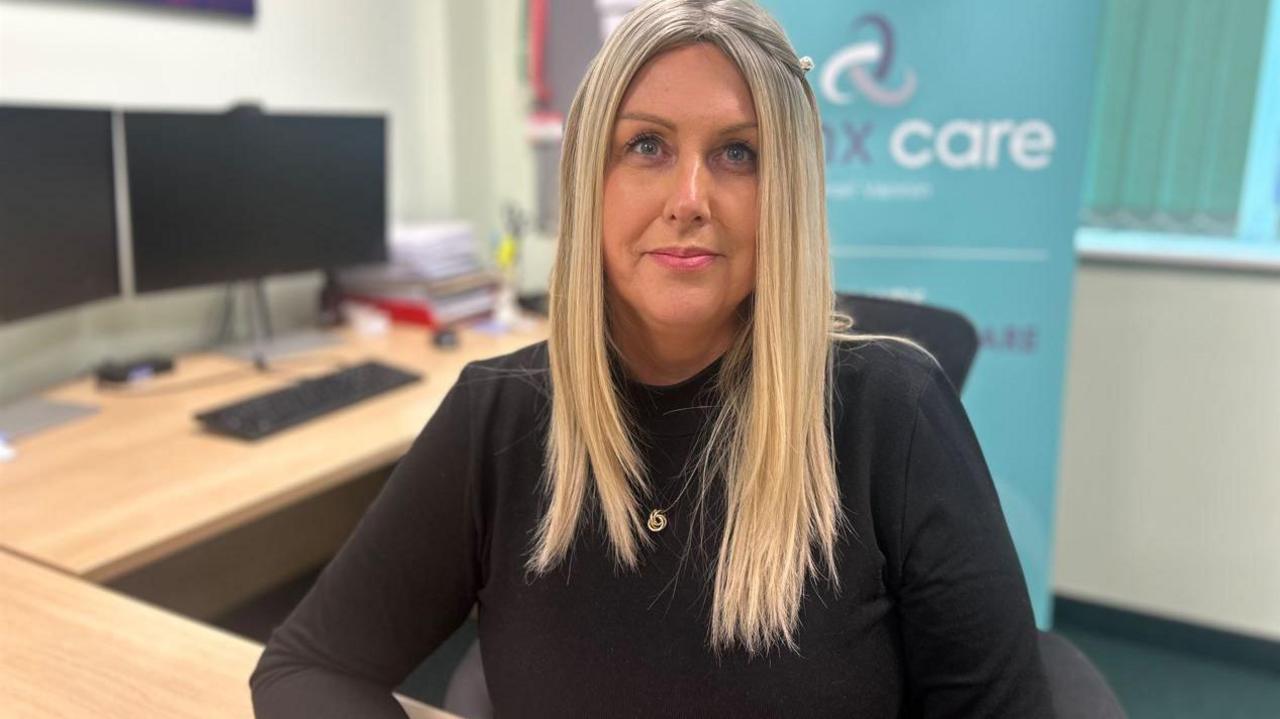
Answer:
[(1157, 683)]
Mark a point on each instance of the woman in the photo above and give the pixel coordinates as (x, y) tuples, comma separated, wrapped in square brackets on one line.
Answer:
[(699, 497)]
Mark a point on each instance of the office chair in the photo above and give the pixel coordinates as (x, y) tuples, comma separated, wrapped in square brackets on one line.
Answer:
[(949, 336), (1079, 690)]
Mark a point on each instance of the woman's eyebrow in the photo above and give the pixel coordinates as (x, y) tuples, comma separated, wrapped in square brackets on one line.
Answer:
[(657, 120), (646, 117), (747, 125)]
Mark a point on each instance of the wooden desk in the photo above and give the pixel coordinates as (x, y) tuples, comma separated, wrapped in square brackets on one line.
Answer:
[(71, 649), (140, 480)]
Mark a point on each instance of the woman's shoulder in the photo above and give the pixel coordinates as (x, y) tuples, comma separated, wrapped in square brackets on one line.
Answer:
[(883, 375), (529, 357), (516, 376), (898, 362)]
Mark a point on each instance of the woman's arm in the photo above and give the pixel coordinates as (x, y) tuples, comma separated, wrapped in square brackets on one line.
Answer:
[(402, 583), (969, 636)]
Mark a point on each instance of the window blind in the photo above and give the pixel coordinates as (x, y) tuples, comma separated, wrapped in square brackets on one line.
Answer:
[(1173, 105)]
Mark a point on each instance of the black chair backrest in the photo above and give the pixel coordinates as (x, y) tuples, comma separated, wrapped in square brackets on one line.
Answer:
[(948, 335)]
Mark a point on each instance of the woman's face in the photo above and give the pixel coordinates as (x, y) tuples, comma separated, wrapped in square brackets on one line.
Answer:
[(680, 194)]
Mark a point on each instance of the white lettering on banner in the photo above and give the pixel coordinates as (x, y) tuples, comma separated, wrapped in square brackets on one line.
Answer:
[(972, 144), (880, 190), (907, 294), (1033, 137), (898, 144)]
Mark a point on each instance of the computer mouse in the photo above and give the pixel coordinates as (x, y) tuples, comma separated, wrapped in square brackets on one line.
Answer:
[(445, 338)]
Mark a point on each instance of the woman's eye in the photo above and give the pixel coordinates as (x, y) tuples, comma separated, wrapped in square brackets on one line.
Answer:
[(739, 153), (647, 145)]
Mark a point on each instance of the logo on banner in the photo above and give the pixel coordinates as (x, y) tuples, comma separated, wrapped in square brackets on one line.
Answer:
[(867, 65), (863, 69)]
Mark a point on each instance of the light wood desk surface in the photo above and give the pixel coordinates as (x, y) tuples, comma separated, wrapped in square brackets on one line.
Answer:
[(69, 648), (140, 480)]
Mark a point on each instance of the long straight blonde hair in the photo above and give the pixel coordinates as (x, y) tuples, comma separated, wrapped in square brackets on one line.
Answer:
[(769, 446)]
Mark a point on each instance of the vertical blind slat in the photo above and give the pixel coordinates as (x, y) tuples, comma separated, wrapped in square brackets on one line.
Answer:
[(1115, 76), (1157, 56), (1185, 140)]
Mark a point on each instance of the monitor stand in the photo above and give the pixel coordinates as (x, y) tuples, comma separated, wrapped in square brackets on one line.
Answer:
[(32, 414), (263, 345)]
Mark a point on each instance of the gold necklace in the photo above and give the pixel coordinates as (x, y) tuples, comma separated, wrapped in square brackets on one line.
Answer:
[(658, 517)]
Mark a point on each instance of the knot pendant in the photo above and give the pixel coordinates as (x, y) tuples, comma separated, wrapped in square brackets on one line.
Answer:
[(657, 520)]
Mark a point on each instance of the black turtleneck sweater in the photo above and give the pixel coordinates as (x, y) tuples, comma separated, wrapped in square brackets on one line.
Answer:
[(932, 617)]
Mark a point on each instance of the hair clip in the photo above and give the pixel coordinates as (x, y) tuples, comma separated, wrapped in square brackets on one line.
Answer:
[(806, 63)]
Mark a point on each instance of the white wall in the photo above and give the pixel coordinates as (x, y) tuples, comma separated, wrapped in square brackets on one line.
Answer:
[(301, 55), (1169, 493), (296, 55), (496, 166)]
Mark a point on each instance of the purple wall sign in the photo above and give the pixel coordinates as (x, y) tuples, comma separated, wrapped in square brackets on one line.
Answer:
[(231, 7)]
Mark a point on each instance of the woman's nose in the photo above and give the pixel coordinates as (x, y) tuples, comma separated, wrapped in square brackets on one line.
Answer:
[(688, 203)]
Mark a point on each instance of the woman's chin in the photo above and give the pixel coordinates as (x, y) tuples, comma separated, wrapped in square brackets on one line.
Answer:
[(676, 316)]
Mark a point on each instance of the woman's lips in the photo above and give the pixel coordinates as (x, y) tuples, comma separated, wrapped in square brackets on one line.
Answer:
[(683, 261)]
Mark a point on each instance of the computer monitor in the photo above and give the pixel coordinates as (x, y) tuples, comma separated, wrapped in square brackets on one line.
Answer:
[(237, 196), (57, 210)]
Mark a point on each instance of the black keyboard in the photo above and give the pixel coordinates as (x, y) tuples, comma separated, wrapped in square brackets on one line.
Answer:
[(265, 414)]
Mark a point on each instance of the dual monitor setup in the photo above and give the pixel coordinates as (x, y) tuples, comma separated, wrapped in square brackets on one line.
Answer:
[(214, 198)]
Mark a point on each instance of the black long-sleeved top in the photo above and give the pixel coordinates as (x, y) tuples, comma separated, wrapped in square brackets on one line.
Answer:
[(931, 619)]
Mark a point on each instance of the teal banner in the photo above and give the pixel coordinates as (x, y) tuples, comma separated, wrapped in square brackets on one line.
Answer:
[(955, 147)]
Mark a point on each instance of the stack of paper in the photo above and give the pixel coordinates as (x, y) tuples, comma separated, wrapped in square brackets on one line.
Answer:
[(435, 276)]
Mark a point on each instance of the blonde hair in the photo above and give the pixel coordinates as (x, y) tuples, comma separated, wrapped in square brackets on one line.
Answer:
[(769, 445)]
